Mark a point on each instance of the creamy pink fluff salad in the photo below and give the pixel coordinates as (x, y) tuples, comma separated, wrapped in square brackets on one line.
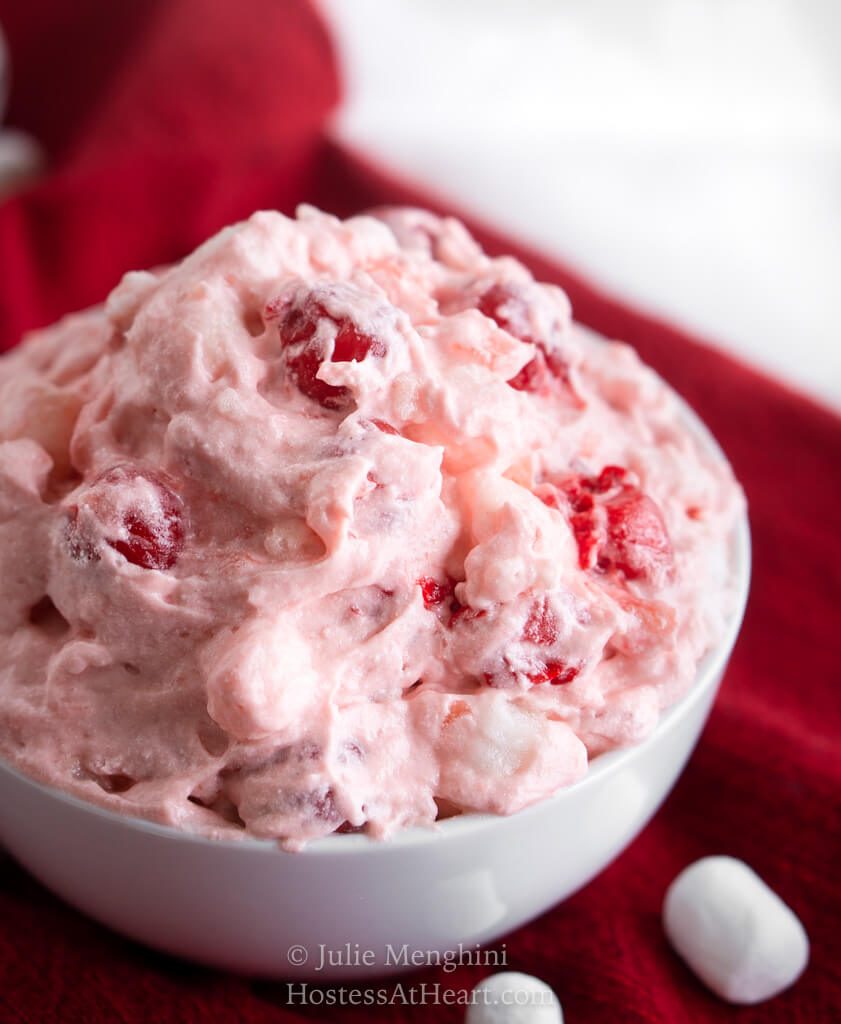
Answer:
[(344, 525)]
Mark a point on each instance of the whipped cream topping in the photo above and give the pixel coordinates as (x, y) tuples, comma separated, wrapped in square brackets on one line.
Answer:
[(342, 525)]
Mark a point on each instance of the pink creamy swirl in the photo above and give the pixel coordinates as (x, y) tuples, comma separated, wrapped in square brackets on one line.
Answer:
[(343, 525)]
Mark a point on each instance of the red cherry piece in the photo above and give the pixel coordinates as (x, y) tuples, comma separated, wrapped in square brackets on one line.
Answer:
[(297, 330), (347, 829), (386, 428), (150, 535), (587, 536), (352, 346), (435, 593), (156, 537), (579, 496), (638, 543), (610, 477), (303, 369), (628, 536), (556, 673), (541, 626), (580, 502), (532, 377), (507, 306)]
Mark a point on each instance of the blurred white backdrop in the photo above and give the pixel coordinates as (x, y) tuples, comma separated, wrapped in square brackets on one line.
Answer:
[(685, 154)]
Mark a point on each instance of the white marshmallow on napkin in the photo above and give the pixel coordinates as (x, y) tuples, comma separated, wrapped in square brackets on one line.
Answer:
[(735, 933), (514, 998)]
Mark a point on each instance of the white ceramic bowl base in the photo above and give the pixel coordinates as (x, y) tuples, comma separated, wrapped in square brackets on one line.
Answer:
[(244, 904), (251, 907)]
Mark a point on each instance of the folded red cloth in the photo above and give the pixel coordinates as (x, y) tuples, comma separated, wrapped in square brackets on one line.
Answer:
[(168, 119)]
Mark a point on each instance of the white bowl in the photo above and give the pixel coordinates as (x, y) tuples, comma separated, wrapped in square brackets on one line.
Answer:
[(249, 906)]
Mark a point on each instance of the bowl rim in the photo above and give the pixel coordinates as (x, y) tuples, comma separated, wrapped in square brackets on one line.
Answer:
[(607, 763)]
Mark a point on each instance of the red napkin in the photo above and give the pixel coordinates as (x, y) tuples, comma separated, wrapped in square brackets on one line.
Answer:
[(164, 121)]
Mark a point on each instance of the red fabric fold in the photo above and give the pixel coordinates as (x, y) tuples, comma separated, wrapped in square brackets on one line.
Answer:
[(165, 121)]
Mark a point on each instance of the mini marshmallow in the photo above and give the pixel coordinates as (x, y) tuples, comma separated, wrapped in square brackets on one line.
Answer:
[(514, 998), (735, 933)]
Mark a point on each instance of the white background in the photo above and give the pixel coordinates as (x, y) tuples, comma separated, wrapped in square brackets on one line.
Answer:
[(684, 153)]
